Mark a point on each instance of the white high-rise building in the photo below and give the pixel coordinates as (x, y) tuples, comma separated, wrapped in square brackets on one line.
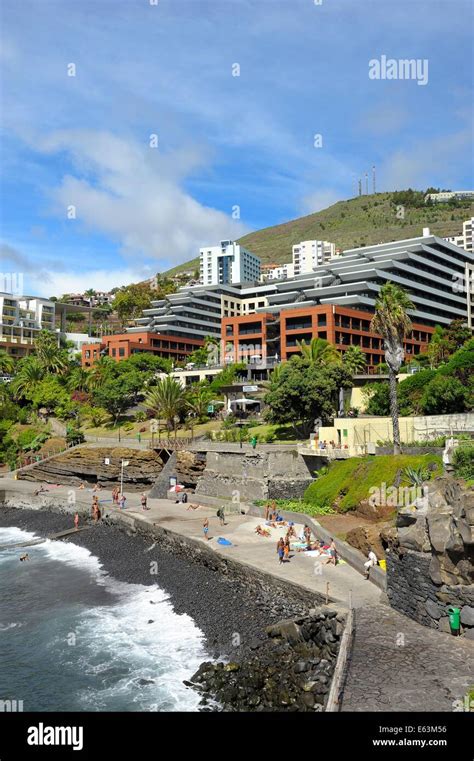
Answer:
[(309, 254), (466, 239), (228, 263)]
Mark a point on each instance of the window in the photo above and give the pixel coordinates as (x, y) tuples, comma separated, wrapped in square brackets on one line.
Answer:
[(114, 352), (121, 352)]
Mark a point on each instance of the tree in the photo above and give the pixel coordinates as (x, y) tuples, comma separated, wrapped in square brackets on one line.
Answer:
[(115, 395), (166, 400), (320, 352), (444, 395), (50, 393), (198, 399), (302, 392), (101, 370), (392, 322), (438, 349), (354, 360), (130, 302), (51, 357), (457, 334), (7, 363), (29, 374)]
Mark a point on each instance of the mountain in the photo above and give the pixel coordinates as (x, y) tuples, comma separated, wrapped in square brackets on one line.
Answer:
[(364, 220)]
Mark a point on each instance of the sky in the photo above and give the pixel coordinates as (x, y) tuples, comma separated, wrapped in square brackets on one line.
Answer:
[(133, 132)]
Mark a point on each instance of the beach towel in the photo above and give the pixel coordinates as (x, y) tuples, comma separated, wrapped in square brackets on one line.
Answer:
[(225, 542)]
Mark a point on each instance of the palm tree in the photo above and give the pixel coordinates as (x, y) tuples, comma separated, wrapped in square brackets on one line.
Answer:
[(166, 400), (320, 352), (7, 363), (28, 376), (78, 380), (198, 401), (391, 321), (354, 360), (99, 372)]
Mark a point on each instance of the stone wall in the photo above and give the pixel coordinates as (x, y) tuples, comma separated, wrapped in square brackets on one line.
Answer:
[(255, 475), (430, 558)]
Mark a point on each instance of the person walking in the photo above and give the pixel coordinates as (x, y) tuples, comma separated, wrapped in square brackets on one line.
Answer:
[(221, 516)]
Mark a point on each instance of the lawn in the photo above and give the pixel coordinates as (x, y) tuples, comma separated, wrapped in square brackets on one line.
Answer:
[(348, 482)]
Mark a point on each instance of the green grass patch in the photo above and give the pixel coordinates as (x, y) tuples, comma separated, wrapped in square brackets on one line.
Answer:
[(348, 482), (298, 506)]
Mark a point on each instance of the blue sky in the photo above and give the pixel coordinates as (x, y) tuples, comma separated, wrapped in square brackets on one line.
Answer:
[(224, 141)]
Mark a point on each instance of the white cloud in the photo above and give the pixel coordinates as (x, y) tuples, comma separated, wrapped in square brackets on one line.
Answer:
[(77, 282), (134, 194)]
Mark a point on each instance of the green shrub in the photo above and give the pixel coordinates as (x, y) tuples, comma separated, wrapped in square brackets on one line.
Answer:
[(464, 462)]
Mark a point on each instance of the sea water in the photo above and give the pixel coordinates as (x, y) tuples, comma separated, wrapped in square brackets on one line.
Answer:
[(74, 639)]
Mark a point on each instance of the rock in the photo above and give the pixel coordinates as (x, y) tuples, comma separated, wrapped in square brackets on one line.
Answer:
[(231, 666), (433, 609), (469, 634), (443, 625), (467, 615)]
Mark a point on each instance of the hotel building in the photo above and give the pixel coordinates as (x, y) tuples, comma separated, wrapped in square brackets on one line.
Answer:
[(21, 319), (309, 254), (227, 263), (122, 346)]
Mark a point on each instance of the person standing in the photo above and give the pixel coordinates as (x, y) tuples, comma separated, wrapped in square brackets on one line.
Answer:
[(281, 550), (370, 563), (121, 501), (205, 527), (76, 521), (221, 516), (144, 501), (333, 551)]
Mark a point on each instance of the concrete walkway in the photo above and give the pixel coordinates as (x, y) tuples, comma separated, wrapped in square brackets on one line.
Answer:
[(398, 665)]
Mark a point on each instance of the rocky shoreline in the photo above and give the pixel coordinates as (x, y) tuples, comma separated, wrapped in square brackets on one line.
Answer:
[(238, 625)]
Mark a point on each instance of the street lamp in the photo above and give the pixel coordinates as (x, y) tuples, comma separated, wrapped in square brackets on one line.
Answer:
[(124, 464)]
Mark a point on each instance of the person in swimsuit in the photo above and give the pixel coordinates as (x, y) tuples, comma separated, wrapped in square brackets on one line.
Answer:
[(281, 549), (76, 521), (205, 526), (144, 501)]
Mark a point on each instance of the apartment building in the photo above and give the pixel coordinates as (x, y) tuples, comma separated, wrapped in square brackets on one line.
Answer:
[(309, 254), (433, 271), (21, 319), (464, 240), (277, 272), (122, 346), (449, 195), (227, 263), (260, 338)]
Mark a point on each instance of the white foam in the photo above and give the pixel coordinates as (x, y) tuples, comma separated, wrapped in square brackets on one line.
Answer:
[(166, 651), (118, 636)]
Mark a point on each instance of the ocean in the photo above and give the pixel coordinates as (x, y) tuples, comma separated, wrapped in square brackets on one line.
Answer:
[(74, 639)]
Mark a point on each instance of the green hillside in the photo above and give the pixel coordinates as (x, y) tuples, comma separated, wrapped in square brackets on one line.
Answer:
[(360, 221)]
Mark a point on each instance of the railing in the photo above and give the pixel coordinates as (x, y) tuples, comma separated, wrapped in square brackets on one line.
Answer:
[(172, 444)]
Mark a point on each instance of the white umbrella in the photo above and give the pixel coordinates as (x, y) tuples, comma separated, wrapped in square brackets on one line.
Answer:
[(245, 401)]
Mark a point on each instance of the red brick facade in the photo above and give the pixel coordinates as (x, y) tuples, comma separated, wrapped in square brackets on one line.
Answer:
[(123, 345), (341, 326)]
